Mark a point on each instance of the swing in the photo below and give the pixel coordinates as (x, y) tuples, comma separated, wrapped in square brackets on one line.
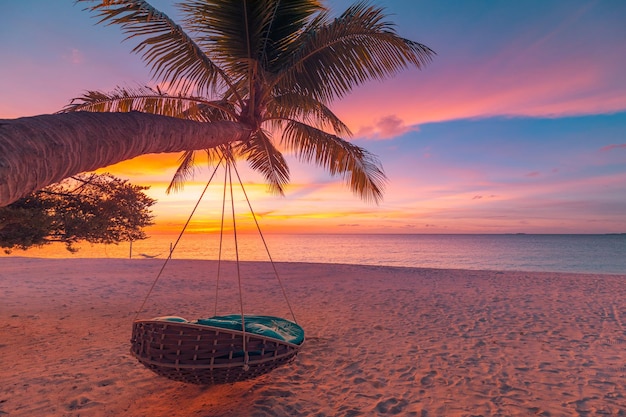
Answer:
[(218, 349)]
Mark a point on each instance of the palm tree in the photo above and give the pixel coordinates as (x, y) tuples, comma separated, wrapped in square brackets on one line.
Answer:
[(247, 77)]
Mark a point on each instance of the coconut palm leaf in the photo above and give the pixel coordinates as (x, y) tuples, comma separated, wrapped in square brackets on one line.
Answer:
[(173, 56), (360, 169), (147, 100), (307, 110), (187, 161), (360, 45), (244, 33), (262, 156), (184, 171)]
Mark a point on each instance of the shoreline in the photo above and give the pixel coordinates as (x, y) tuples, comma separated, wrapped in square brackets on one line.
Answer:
[(379, 340), (567, 254), (161, 260)]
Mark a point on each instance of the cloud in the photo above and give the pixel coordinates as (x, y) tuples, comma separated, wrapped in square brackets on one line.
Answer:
[(386, 128), (533, 174), (534, 68), (74, 56), (613, 146)]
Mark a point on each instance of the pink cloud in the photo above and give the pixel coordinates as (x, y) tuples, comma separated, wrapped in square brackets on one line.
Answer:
[(613, 146), (552, 91), (386, 127), (542, 72), (75, 56)]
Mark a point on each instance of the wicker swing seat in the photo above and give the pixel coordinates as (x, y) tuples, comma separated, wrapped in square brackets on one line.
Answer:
[(219, 349), (212, 351)]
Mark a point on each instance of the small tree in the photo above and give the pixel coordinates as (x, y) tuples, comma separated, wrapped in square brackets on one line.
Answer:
[(88, 207)]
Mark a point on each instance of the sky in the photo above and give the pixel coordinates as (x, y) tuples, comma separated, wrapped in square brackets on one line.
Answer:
[(517, 126)]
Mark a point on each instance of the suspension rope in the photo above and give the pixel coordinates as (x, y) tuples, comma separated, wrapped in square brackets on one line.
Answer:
[(280, 282), (219, 257), (169, 256), (243, 320)]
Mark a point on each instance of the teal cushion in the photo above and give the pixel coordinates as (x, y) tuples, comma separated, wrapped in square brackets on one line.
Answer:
[(269, 326)]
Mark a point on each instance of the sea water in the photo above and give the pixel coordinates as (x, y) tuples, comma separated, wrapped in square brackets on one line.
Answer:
[(604, 254)]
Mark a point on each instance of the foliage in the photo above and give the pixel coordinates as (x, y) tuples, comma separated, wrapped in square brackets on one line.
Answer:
[(274, 66), (88, 207)]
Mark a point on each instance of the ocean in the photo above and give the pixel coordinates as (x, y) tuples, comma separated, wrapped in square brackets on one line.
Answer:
[(603, 254)]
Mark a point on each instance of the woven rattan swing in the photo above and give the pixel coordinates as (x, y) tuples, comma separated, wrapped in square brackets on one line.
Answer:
[(219, 349)]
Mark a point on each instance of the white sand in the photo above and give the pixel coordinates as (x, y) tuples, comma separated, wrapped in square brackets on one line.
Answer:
[(380, 341)]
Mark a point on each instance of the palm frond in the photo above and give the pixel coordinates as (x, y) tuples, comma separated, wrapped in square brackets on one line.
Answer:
[(308, 110), (243, 33), (147, 100), (171, 53), (288, 21), (212, 111), (360, 45), (222, 153), (183, 173), (263, 157), (360, 169)]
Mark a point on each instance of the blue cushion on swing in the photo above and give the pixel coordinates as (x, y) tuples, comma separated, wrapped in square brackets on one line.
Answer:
[(269, 326)]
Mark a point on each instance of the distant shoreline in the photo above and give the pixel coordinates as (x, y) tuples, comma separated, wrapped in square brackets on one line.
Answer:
[(558, 253), (160, 261)]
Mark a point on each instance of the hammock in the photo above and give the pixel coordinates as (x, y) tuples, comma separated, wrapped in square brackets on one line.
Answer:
[(218, 349)]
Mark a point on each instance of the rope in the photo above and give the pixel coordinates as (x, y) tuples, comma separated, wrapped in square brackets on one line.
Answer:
[(219, 257), (243, 320), (169, 256), (280, 282)]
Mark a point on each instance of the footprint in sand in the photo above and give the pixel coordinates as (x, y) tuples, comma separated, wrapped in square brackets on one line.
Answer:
[(106, 382), (391, 406), (79, 403), (428, 380)]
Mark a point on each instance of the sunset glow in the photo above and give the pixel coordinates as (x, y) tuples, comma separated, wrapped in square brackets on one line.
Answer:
[(517, 126)]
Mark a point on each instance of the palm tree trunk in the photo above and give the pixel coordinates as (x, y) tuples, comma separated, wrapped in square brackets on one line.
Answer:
[(41, 150)]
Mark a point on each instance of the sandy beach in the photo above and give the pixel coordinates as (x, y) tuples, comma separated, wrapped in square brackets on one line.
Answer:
[(379, 341)]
